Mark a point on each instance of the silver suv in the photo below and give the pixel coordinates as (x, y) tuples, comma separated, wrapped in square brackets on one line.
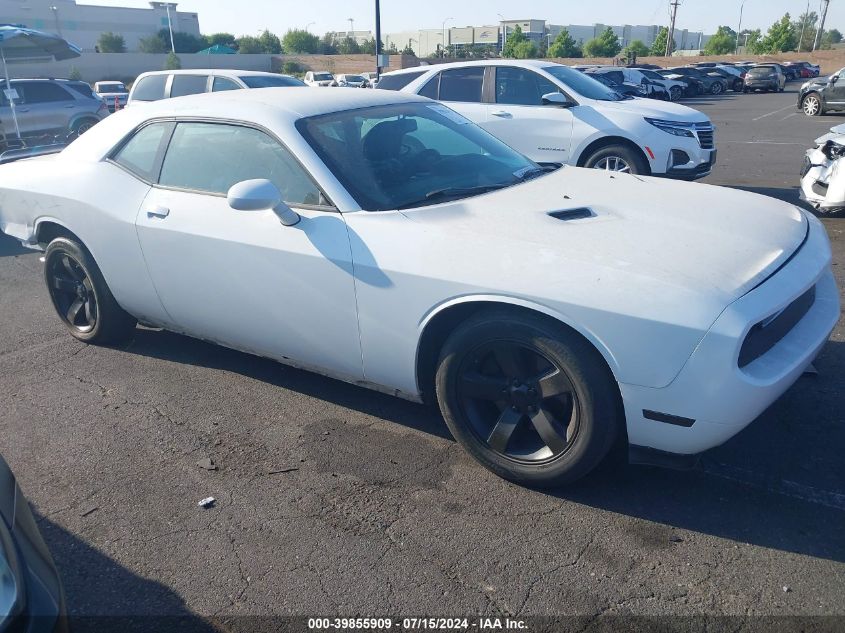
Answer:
[(49, 107)]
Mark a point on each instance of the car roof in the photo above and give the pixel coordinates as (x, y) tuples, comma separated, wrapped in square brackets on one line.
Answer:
[(223, 72), (521, 63), (284, 102)]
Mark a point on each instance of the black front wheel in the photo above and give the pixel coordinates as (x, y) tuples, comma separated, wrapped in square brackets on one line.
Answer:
[(530, 400), (81, 297), (617, 158)]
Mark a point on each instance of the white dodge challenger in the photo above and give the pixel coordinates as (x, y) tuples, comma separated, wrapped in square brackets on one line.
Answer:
[(383, 239)]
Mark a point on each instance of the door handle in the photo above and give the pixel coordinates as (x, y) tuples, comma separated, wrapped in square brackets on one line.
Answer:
[(502, 114), (158, 212)]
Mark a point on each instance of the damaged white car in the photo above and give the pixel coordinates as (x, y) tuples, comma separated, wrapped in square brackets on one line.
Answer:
[(823, 174)]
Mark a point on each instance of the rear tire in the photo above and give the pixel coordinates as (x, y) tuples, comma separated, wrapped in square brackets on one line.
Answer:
[(617, 158), (493, 377), (675, 93), (81, 297)]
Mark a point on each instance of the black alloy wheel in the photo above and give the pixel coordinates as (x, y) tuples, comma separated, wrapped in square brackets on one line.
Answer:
[(72, 293), (519, 402)]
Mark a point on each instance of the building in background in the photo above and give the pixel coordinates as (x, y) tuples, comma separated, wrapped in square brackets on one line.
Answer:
[(82, 24), (430, 42), (359, 36)]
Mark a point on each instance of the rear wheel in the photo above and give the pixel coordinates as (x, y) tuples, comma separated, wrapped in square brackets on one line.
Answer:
[(675, 93), (530, 400), (81, 297), (812, 105), (716, 88), (617, 158)]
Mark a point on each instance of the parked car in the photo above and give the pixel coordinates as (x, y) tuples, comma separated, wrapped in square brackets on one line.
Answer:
[(692, 87), (712, 84), (735, 77), (372, 78), (625, 90), (644, 66), (636, 79), (31, 595), (114, 93), (351, 81), (789, 71), (822, 177), (166, 84), (675, 87), (319, 79), (808, 70), (51, 108), (765, 77), (823, 94), (555, 114), (547, 312)]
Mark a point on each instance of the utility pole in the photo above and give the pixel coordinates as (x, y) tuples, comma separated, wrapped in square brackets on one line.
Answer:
[(170, 28), (820, 32), (803, 25), (670, 41), (351, 27), (739, 26), (378, 40)]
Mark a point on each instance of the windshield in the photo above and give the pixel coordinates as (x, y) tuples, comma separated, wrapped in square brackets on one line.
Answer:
[(413, 154), (116, 87), (354, 78), (260, 81), (322, 77), (583, 84)]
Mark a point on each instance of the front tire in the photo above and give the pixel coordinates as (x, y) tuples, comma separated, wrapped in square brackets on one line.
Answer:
[(530, 400), (617, 158), (675, 93), (81, 297), (716, 88), (812, 105)]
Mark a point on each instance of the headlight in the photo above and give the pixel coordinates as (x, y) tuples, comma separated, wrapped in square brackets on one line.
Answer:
[(11, 584), (676, 128)]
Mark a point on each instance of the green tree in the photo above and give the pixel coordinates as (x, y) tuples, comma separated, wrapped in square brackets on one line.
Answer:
[(172, 62), (292, 68), (300, 41), (348, 46), (249, 45), (805, 30), (327, 45), (368, 47), (270, 43), (750, 39), (636, 48), (564, 45), (75, 74), (605, 45), (152, 44), (515, 38), (835, 36), (525, 50), (722, 43), (658, 49), (111, 43), (408, 51), (224, 39), (183, 42), (780, 38)]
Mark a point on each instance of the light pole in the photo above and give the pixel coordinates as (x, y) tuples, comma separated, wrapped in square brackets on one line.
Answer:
[(803, 25), (444, 35), (309, 24), (504, 31), (739, 27), (55, 11), (170, 27), (351, 26)]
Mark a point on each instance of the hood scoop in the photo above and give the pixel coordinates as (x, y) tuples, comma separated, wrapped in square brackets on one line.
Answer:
[(572, 214)]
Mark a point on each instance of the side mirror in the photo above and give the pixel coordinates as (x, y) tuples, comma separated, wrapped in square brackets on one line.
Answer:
[(834, 79), (556, 98), (261, 195)]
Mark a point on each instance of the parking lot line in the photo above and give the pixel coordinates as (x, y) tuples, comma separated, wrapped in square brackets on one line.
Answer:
[(763, 116)]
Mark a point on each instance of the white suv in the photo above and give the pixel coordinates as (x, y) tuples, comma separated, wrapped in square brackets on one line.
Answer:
[(556, 114), (165, 84)]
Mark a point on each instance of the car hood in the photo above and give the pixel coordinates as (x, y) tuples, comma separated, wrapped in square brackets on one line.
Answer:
[(655, 110), (701, 238)]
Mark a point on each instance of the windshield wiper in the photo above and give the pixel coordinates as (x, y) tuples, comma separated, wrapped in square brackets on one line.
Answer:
[(432, 197), (535, 171)]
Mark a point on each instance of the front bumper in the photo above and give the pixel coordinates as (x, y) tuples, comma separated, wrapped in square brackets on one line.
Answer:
[(712, 398)]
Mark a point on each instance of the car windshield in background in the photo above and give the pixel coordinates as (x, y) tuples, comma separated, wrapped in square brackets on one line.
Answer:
[(583, 84), (261, 81), (354, 78), (322, 77), (112, 88), (410, 155)]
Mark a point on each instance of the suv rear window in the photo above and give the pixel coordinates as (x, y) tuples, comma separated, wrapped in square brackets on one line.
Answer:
[(82, 88), (761, 71), (150, 88), (398, 81), (184, 85)]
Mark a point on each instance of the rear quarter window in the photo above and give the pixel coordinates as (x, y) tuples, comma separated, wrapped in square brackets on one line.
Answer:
[(397, 82), (150, 88)]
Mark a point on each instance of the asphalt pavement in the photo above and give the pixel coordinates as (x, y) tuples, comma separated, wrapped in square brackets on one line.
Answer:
[(334, 500)]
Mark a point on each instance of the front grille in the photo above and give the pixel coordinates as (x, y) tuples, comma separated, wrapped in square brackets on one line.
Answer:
[(766, 334), (706, 134)]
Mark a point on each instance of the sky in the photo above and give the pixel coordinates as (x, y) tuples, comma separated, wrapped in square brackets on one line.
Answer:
[(251, 16)]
